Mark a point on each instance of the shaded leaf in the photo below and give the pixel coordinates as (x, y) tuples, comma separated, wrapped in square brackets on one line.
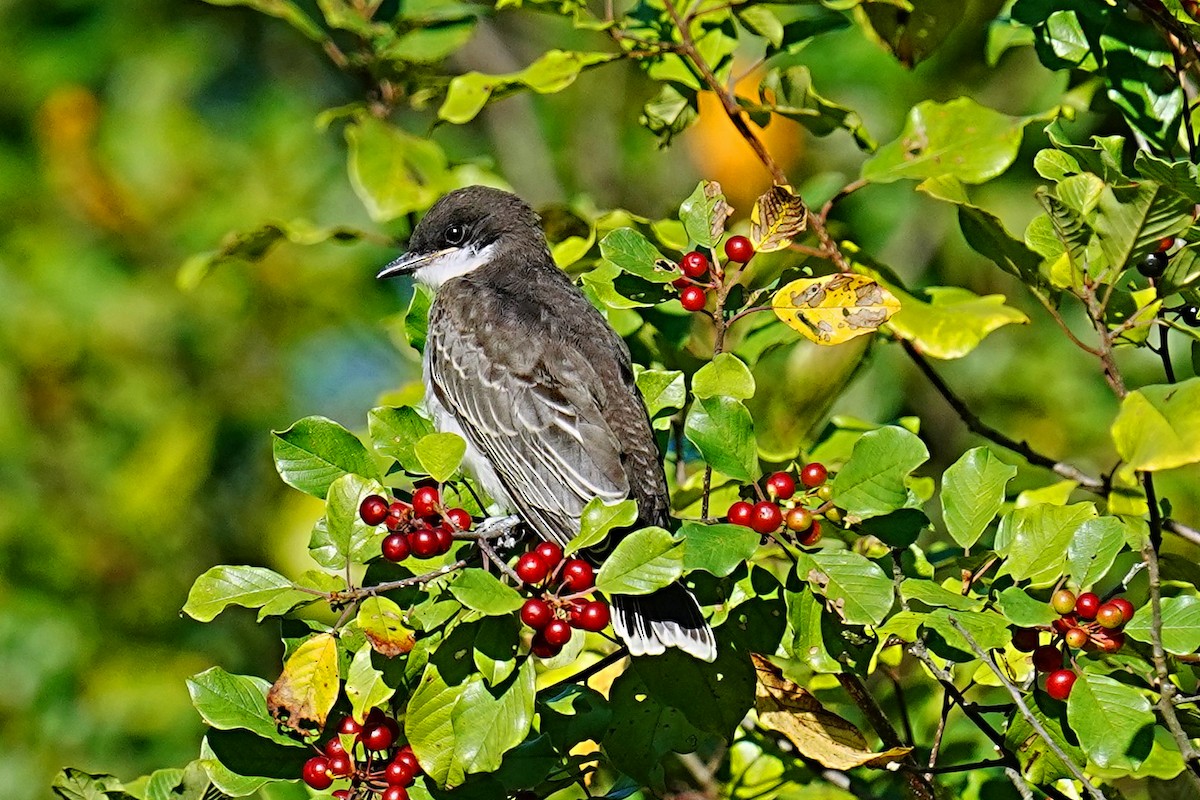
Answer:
[(722, 430), (703, 214), (552, 72), (487, 726)]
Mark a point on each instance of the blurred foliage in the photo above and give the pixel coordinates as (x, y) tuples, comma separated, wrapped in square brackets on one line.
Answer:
[(135, 411)]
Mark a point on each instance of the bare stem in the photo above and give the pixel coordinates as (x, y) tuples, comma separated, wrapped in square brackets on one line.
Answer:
[(918, 784)]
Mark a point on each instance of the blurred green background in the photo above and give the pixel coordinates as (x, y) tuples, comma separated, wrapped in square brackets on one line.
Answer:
[(135, 416)]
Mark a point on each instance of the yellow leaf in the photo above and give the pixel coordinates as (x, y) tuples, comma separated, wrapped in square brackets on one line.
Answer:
[(778, 216), (307, 689), (818, 734), (381, 620), (834, 308)]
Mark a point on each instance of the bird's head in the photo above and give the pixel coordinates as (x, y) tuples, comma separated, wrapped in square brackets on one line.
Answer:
[(464, 230)]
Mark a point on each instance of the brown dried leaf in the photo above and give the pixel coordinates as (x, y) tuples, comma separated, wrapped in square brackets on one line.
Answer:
[(819, 734), (383, 623), (306, 691), (834, 308), (778, 216)]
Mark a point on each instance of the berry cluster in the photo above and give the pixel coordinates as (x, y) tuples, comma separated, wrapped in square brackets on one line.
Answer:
[(1085, 622), (560, 604), (786, 510), (1154, 265), (374, 764), (693, 286), (423, 528)]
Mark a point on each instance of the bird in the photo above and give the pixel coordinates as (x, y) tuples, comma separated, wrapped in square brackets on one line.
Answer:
[(530, 374)]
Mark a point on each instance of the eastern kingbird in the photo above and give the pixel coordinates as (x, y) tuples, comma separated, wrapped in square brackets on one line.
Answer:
[(520, 365)]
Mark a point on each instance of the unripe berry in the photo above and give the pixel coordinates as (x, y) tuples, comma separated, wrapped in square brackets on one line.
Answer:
[(1059, 683), (549, 552), (739, 249), (425, 501), (781, 485), (578, 575), (1087, 604), (594, 617), (1109, 615), (1109, 641), (825, 492), (766, 517), (373, 509), (1047, 658), (1166, 244), (557, 633), (536, 613), (1076, 637), (798, 519), (316, 773), (813, 475), (694, 264), (395, 547), (459, 519), (1063, 601), (693, 298), (740, 513), (531, 568)]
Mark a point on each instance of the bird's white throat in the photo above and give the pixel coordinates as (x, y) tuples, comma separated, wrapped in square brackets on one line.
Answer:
[(452, 264)]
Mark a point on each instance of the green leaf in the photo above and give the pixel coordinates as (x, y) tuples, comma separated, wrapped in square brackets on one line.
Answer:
[(1022, 610), (633, 253), (365, 685), (1180, 624), (572, 714), (75, 784), (973, 490), (665, 393), (440, 454), (1113, 721), (789, 92), (314, 452), (487, 726), (1034, 540), (763, 21), (703, 214), (724, 376), (285, 10), (343, 536), (481, 591), (912, 29), (393, 172), (872, 482), (676, 679), (1093, 549), (554, 71), (416, 317), (226, 701), (429, 726), (989, 630), (598, 519), (1038, 763), (960, 138), (717, 549), (1158, 427), (643, 730), (953, 323), (1178, 176), (723, 432), (856, 588), (224, 779), (805, 613), (382, 622), (250, 587), (1132, 220), (641, 563), (395, 431), (935, 595), (304, 694)]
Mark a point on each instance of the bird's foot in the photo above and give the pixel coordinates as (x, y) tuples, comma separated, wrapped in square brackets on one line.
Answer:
[(502, 529)]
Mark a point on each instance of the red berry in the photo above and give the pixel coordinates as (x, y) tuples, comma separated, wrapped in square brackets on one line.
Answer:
[(424, 543), (541, 648), (536, 613), (811, 536), (334, 747), (594, 616), (1127, 609), (342, 794), (578, 575), (798, 519), (394, 793), (445, 537), (781, 485), (1110, 615), (740, 513), (813, 475), (398, 514), (1109, 641), (1026, 639), (459, 519), (766, 518), (693, 298), (531, 568), (348, 726), (398, 773), (694, 264), (557, 633), (1059, 683), (1087, 604), (1047, 658), (1166, 244), (408, 758), (341, 766), (1076, 637), (378, 737), (373, 509), (395, 547), (1063, 601), (316, 773), (679, 283), (739, 248), (425, 501), (1064, 624), (549, 552)]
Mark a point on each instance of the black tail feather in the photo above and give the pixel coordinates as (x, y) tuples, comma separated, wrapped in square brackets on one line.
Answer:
[(669, 617)]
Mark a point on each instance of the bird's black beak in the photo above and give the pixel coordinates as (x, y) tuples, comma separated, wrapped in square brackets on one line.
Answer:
[(404, 265)]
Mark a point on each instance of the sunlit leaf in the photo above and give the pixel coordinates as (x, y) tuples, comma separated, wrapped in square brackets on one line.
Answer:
[(305, 693), (383, 623), (704, 213), (1158, 426), (834, 308), (315, 451), (778, 217), (642, 562), (973, 490)]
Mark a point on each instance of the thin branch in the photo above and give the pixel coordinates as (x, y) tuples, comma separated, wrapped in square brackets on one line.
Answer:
[(988, 763), (971, 710), (589, 671), (415, 580), (918, 784), (1179, 529), (1033, 721)]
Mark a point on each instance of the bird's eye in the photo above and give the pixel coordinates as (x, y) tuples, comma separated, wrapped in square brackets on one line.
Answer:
[(455, 234)]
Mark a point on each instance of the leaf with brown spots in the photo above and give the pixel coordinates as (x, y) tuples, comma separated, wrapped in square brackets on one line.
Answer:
[(382, 621), (307, 689), (818, 734), (834, 308), (778, 217)]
